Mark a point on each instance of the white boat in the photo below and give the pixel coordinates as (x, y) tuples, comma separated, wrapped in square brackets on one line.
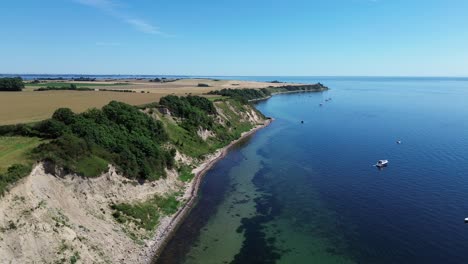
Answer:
[(382, 163), (466, 220)]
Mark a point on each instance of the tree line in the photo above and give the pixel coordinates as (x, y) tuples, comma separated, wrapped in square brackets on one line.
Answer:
[(11, 84), (245, 95)]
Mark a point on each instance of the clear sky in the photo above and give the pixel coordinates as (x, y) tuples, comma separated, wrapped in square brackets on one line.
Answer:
[(241, 37)]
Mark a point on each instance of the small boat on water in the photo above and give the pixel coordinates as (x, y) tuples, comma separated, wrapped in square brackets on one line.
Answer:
[(381, 163), (466, 220), (398, 142)]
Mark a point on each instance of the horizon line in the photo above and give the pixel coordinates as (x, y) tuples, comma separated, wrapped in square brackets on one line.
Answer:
[(204, 75)]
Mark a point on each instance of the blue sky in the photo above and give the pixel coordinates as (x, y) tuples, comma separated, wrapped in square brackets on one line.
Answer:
[(243, 37)]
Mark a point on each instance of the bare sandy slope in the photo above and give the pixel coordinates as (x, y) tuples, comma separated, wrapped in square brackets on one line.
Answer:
[(46, 218)]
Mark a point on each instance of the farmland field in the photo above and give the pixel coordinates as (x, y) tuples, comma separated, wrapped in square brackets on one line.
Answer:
[(26, 107), (30, 106)]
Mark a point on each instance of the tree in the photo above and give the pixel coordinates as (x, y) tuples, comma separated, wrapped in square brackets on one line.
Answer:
[(11, 84), (64, 115)]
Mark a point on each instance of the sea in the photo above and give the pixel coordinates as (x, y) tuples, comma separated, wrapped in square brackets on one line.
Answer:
[(305, 189), (309, 192)]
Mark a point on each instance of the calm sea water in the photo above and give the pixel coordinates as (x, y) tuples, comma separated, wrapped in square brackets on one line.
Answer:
[(308, 193)]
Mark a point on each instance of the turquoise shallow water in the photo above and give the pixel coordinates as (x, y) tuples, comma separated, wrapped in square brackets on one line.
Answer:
[(307, 193)]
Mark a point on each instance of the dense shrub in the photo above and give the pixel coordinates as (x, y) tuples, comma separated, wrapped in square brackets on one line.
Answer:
[(195, 111), (71, 87), (146, 214), (243, 94), (11, 84), (84, 79), (119, 134), (13, 174)]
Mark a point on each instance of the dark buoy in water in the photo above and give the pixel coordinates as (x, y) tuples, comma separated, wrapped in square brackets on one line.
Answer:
[(302, 122)]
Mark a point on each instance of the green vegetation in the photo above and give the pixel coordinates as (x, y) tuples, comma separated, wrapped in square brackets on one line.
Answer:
[(187, 142), (140, 146), (203, 85), (11, 84), (74, 258), (15, 161), (146, 214), (185, 173), (84, 79), (71, 87), (91, 166), (14, 173), (299, 88), (195, 111), (253, 94), (61, 84), (118, 134), (15, 150), (243, 94)]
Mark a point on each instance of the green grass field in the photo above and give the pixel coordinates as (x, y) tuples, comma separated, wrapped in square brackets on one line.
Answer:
[(14, 150), (60, 84)]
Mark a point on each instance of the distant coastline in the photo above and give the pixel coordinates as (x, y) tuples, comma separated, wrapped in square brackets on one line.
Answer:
[(260, 78)]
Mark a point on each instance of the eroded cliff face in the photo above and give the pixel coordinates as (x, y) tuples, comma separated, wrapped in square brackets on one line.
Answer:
[(47, 218)]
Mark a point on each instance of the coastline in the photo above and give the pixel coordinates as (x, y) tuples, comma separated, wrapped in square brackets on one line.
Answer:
[(167, 230)]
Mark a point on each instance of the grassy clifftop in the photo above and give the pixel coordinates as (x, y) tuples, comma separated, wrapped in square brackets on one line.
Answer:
[(140, 142)]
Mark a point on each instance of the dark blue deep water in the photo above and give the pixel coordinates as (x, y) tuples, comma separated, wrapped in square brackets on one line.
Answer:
[(308, 193)]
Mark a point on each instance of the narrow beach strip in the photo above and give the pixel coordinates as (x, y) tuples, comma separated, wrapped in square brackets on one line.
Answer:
[(163, 237)]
